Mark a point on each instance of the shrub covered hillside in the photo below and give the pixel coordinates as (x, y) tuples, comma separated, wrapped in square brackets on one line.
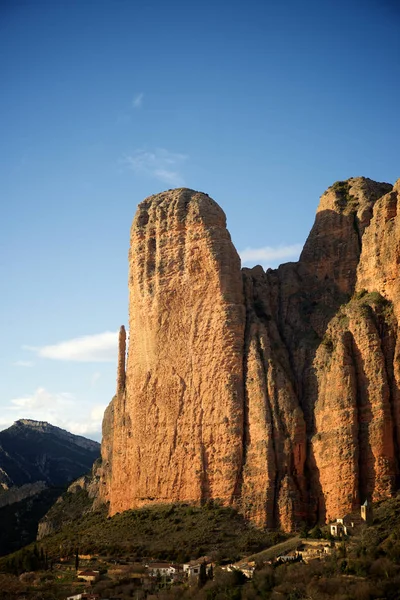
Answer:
[(365, 566), (173, 532)]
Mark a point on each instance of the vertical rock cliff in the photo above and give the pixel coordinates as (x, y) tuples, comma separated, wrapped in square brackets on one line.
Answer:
[(177, 427), (274, 391)]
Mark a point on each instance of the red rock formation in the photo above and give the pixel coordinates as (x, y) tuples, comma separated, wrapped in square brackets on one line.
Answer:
[(278, 393), (178, 427)]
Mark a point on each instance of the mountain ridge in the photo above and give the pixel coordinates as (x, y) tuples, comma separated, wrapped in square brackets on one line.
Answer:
[(37, 461), (26, 454)]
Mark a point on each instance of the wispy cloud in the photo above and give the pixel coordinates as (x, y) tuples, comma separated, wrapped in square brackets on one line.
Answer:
[(41, 399), (137, 100), (101, 347), (160, 163), (90, 424), (269, 256), (94, 379), (23, 363), (57, 408)]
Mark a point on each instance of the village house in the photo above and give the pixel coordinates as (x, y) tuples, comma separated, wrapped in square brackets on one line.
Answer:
[(294, 556), (313, 552), (246, 568), (163, 569), (88, 575), (192, 568), (337, 529), (346, 525)]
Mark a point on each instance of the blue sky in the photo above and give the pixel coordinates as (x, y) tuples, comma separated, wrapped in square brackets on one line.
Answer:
[(261, 104)]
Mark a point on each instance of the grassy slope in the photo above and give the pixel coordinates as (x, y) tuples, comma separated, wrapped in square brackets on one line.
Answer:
[(172, 532)]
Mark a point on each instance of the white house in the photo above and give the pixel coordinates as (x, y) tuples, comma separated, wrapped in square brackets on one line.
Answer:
[(164, 569), (192, 568)]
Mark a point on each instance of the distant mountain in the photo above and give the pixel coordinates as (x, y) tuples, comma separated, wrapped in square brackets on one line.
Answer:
[(37, 461), (32, 451)]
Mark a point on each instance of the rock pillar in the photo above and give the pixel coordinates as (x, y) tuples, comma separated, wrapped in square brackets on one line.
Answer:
[(121, 360)]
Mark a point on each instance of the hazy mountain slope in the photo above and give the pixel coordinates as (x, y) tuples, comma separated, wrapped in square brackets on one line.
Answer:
[(37, 461), (33, 451)]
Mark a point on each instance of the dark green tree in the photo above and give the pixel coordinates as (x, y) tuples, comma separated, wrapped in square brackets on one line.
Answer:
[(76, 559), (202, 575), (316, 533)]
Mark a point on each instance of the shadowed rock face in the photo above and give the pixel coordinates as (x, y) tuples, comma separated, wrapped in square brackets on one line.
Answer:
[(274, 391)]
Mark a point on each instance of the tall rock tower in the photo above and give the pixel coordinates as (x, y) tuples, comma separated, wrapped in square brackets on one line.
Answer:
[(177, 426)]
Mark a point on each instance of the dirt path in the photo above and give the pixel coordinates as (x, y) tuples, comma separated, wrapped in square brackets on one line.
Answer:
[(274, 551)]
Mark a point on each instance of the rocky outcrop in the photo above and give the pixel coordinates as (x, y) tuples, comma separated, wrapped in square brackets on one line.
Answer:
[(274, 391), (80, 498), (121, 373)]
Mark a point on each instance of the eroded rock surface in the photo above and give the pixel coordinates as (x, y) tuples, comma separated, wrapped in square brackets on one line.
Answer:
[(277, 391), (178, 426)]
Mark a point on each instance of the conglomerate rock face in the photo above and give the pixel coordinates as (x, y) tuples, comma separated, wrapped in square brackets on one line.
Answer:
[(178, 425), (276, 392)]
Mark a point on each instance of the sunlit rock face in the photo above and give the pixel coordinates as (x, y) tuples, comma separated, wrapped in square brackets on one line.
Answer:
[(276, 392), (178, 426)]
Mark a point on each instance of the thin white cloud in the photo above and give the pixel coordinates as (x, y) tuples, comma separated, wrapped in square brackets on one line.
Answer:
[(137, 100), (23, 363), (269, 256), (101, 347), (89, 425), (94, 379), (97, 412), (171, 177), (160, 163), (41, 399), (57, 408)]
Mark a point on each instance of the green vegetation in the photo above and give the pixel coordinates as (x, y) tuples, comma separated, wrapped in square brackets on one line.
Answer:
[(365, 566), (343, 197), (176, 532), (70, 508), (370, 303)]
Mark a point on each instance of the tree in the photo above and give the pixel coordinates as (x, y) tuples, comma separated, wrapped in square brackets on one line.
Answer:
[(76, 559), (202, 575), (316, 533)]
